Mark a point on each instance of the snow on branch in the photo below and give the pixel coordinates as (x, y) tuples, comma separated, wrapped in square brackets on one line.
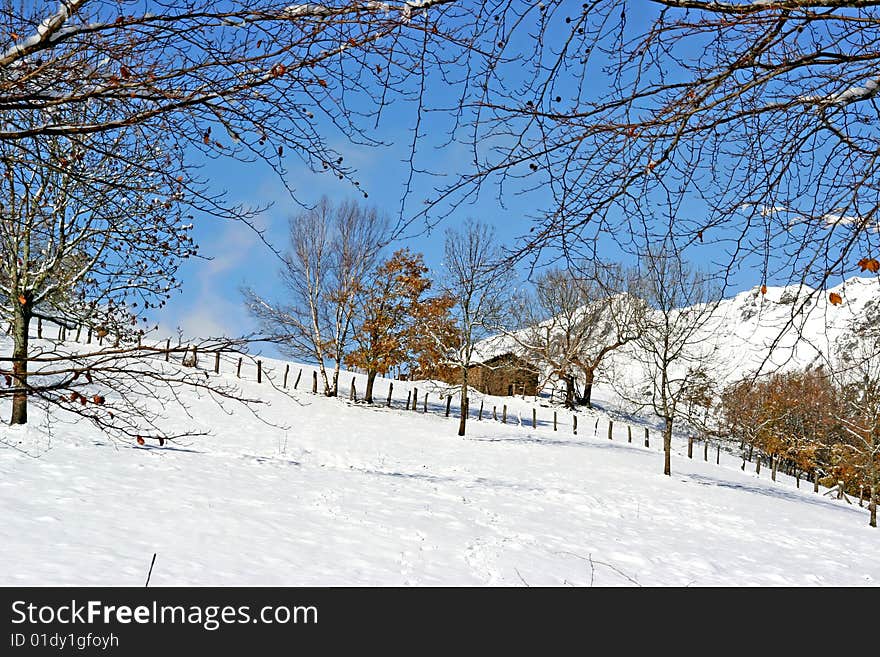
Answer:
[(48, 30)]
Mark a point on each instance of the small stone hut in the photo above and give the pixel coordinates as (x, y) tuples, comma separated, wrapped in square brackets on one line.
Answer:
[(504, 374)]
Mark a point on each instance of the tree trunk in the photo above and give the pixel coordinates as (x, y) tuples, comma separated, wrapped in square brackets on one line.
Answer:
[(586, 398), (667, 446), (569, 392), (464, 401), (333, 390), (371, 378), (872, 507), (20, 327)]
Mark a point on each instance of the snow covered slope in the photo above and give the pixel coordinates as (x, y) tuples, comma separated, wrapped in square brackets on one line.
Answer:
[(751, 333), (746, 328), (331, 493)]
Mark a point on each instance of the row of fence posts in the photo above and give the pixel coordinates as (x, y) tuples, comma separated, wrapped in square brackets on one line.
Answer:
[(61, 336), (413, 399), (412, 403)]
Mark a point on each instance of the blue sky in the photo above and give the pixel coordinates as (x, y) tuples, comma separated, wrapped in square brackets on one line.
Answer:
[(210, 302)]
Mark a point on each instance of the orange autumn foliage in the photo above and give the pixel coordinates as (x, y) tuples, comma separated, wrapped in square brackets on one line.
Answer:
[(869, 264)]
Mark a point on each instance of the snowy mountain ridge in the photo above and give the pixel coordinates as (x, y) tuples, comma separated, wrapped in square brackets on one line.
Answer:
[(755, 332)]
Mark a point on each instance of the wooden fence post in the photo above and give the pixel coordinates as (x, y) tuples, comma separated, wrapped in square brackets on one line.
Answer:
[(286, 372), (167, 346), (79, 328), (448, 403), (296, 383), (758, 465), (718, 455), (352, 393), (315, 382), (195, 356), (861, 494), (774, 463), (706, 450), (504, 414), (629, 433), (238, 368), (554, 420), (480, 416), (60, 326), (574, 424), (89, 337), (647, 441), (815, 481), (217, 362), (610, 429), (534, 419), (690, 447), (390, 390), (259, 371), (495, 413), (415, 398), (39, 327), (408, 398)]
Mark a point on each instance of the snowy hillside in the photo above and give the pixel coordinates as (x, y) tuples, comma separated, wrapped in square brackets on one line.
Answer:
[(746, 328), (324, 492), (751, 332)]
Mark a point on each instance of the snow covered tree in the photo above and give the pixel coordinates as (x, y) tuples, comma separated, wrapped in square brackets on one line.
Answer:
[(477, 280), (333, 248), (573, 320)]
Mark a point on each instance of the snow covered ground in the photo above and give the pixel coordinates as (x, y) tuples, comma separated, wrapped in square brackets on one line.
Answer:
[(330, 493)]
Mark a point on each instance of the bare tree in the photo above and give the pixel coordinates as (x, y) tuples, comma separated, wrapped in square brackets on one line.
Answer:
[(106, 107), (333, 247), (573, 320), (746, 129), (755, 117), (477, 279), (673, 347), (250, 79), (126, 388), (87, 240)]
